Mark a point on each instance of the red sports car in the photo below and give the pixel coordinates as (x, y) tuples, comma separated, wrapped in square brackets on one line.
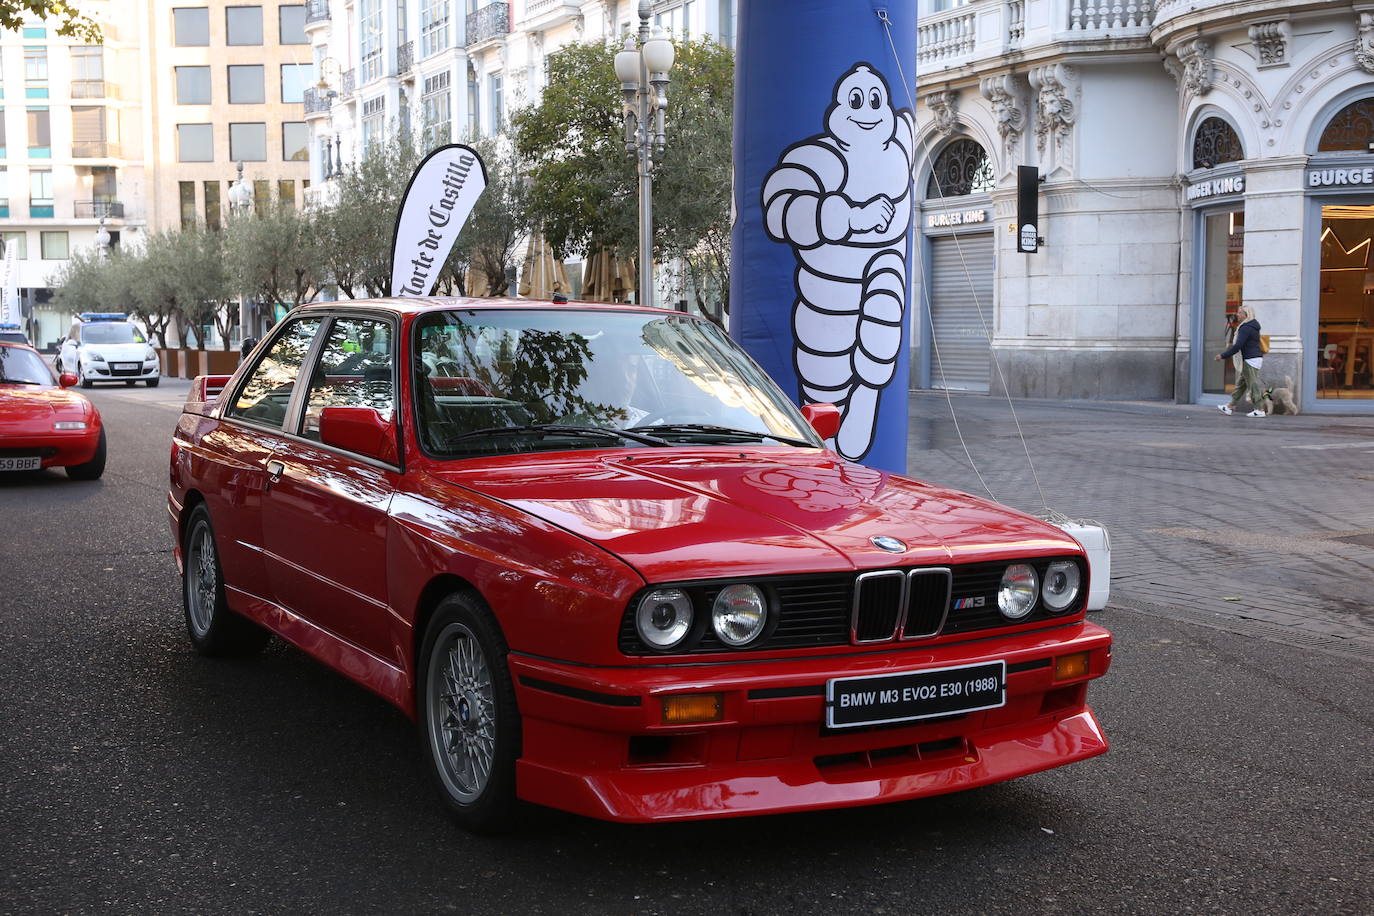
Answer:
[(41, 423), (608, 567)]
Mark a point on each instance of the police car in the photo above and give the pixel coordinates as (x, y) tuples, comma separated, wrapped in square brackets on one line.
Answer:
[(108, 347)]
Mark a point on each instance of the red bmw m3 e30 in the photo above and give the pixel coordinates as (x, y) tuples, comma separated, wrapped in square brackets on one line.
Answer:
[(608, 567)]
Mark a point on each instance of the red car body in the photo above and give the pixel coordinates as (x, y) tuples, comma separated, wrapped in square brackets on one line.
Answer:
[(31, 411), (346, 559)]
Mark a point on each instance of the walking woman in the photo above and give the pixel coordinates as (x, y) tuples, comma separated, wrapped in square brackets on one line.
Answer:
[(1248, 345)]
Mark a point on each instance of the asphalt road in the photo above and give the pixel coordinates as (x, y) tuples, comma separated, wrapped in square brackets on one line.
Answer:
[(136, 776)]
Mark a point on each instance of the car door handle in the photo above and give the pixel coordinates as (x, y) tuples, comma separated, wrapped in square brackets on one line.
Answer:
[(274, 471)]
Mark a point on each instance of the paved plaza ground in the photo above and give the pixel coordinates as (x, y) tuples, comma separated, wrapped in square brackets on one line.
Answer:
[(1263, 527)]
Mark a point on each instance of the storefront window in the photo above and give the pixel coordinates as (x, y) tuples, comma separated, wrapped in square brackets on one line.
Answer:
[(1223, 292), (1215, 142), (1351, 130), (1345, 317)]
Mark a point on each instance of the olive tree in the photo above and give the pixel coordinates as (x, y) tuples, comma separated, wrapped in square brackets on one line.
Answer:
[(585, 188)]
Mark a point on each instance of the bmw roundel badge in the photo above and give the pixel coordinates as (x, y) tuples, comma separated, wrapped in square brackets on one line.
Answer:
[(891, 545)]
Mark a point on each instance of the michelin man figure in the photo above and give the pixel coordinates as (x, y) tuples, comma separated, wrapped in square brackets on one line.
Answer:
[(842, 200)]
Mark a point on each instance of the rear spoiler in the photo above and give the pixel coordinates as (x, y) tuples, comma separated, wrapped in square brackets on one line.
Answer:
[(204, 393)]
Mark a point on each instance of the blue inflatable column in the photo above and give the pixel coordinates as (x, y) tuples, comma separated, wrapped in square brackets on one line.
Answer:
[(820, 264)]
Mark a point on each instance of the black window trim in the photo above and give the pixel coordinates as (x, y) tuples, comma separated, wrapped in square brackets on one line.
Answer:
[(295, 407)]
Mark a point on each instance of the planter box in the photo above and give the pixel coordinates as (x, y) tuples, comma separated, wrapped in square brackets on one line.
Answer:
[(170, 362), (221, 362), (190, 363)]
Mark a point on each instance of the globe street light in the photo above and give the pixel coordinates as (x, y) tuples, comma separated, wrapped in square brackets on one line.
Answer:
[(240, 202), (643, 75)]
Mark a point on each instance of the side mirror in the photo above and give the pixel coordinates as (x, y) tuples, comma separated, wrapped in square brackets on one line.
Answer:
[(67, 379), (824, 419), (358, 429)]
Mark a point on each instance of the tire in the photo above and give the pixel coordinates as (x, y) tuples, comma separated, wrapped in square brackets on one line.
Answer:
[(214, 629), (477, 779), (85, 382), (92, 469), (152, 382)]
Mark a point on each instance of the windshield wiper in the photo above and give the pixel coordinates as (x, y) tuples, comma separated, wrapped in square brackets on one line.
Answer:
[(598, 432), (712, 430)]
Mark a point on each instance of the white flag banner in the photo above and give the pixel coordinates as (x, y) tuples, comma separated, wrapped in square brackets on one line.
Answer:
[(9, 283), (434, 208)]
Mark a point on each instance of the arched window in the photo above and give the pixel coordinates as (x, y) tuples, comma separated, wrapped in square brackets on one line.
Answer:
[(1351, 129), (1214, 143), (961, 168)]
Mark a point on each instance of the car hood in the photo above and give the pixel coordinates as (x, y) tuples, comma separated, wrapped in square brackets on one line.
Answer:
[(696, 513), (118, 353), (23, 406)]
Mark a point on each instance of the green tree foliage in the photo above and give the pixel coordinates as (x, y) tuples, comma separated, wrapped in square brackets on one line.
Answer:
[(274, 256), (585, 189), (499, 223), (183, 273), (72, 22), (364, 218)]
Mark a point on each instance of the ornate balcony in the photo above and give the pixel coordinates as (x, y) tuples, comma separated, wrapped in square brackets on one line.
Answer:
[(489, 23), (318, 101), (97, 209), (316, 11), (405, 58)]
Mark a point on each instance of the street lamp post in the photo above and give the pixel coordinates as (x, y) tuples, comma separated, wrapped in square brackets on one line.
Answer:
[(643, 75), (240, 203)]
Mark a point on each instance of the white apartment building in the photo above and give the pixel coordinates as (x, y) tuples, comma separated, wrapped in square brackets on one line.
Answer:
[(1194, 155), (144, 130), (71, 150), (458, 66)]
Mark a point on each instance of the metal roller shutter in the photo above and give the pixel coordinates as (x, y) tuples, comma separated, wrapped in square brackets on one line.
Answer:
[(961, 284)]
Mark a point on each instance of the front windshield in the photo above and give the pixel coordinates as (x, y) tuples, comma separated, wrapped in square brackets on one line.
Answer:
[(112, 333), (23, 366), (679, 379)]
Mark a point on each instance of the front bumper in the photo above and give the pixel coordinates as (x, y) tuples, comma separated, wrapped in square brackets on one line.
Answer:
[(104, 372), (595, 742), (59, 448)]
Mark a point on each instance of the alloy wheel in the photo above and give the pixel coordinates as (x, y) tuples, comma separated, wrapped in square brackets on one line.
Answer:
[(462, 712)]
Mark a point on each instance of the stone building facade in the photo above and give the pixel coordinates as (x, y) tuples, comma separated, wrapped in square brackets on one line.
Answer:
[(1193, 155)]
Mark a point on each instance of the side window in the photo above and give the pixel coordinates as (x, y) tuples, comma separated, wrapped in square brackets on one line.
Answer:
[(265, 397), (354, 370)]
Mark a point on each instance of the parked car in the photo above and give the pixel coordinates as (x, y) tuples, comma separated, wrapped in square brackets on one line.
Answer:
[(42, 424), (108, 347), (608, 567), (13, 333)]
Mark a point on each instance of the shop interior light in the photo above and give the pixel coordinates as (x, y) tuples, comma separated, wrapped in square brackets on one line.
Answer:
[(687, 708)]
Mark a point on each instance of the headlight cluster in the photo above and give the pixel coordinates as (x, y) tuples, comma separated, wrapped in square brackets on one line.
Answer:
[(94, 356), (664, 617), (1020, 587)]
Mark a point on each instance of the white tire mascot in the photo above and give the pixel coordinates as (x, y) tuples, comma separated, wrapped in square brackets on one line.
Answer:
[(842, 200)]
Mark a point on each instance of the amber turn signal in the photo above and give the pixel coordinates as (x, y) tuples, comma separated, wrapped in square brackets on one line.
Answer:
[(1070, 666), (692, 707)]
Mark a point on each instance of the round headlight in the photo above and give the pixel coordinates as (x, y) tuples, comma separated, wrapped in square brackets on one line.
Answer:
[(664, 617), (1061, 585), (739, 614), (1016, 594)]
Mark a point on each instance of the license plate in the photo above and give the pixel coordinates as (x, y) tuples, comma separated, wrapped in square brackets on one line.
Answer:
[(124, 365), (910, 695), (21, 464)]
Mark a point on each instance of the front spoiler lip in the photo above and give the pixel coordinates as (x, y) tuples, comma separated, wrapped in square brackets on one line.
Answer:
[(786, 692), (780, 786)]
